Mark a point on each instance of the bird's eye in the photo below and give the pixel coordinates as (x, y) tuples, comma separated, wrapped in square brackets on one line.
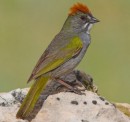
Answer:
[(83, 18)]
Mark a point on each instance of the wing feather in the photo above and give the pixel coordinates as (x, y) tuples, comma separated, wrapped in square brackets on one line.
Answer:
[(52, 59)]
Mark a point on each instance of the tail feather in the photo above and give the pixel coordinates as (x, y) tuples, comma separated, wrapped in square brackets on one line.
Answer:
[(32, 97)]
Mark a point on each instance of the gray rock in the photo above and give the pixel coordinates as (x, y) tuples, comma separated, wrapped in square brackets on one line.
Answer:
[(62, 107), (70, 107)]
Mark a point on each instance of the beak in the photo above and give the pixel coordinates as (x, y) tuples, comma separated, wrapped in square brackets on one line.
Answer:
[(94, 20)]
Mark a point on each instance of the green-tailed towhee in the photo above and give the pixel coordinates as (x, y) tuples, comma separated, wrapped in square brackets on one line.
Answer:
[(62, 55)]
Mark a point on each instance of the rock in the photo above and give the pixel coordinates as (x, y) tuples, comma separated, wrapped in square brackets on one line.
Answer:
[(62, 107), (56, 104), (124, 107), (70, 107), (9, 105)]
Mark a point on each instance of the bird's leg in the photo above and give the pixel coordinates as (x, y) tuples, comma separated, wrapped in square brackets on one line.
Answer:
[(75, 90)]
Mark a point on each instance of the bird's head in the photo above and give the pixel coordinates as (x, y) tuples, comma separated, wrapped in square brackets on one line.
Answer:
[(80, 18)]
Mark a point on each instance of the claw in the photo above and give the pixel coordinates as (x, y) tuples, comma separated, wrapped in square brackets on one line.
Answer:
[(76, 91), (72, 89)]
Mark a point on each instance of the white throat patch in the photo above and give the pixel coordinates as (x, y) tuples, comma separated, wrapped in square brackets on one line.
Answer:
[(88, 26)]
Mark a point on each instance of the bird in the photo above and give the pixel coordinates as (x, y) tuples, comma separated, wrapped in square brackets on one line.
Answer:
[(62, 55)]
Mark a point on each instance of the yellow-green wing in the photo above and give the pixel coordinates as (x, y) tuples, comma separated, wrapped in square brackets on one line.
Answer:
[(52, 61)]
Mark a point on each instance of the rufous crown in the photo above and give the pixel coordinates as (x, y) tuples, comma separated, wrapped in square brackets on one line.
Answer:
[(79, 7)]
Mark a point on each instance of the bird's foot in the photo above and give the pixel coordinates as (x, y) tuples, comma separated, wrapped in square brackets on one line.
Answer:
[(76, 90), (70, 88)]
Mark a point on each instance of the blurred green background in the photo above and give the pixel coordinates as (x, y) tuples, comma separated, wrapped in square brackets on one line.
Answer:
[(28, 26)]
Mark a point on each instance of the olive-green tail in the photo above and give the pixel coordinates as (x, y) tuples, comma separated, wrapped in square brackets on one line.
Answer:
[(32, 97)]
